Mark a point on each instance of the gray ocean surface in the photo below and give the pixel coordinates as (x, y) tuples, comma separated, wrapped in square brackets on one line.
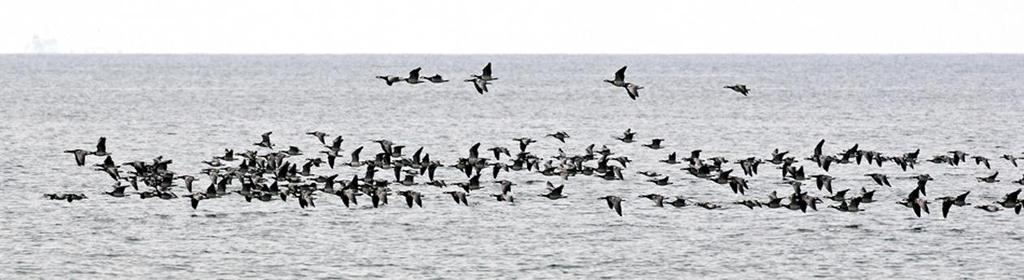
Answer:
[(190, 107)]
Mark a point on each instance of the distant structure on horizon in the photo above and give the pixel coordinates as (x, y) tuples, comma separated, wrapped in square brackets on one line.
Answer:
[(42, 45)]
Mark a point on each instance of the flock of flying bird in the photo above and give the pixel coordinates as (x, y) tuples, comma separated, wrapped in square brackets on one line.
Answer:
[(271, 174), (481, 81)]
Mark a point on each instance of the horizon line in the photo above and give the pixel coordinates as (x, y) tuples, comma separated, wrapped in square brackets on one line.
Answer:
[(511, 54)]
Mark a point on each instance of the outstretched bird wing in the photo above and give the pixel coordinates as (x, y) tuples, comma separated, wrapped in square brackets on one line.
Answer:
[(946, 204), (557, 191), (487, 70), (102, 145), (621, 74), (415, 73), (817, 149), (474, 151)]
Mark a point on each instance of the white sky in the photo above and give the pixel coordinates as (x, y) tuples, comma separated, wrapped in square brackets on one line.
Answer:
[(532, 26)]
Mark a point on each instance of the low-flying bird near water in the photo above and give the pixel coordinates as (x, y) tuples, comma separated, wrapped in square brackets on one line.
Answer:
[(101, 148), (265, 142), (879, 179), (614, 202), (69, 197), (632, 90), (620, 78), (948, 202), (506, 192), (627, 137), (916, 202), (436, 78), (319, 136), (485, 74), (459, 197), (740, 88), (271, 174), (414, 76), (990, 178), (659, 200), (852, 206), (561, 136), (655, 144), (479, 84), (390, 80), (79, 156), (481, 81), (412, 197), (554, 192)]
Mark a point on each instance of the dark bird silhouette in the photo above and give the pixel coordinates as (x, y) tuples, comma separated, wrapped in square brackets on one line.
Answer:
[(655, 144), (990, 178), (671, 159), (436, 78), (657, 198), (922, 181), (679, 202), (633, 90), (948, 202), (916, 202), (506, 192), (749, 203), (479, 84), (561, 136), (118, 190), (823, 181), (265, 142), (614, 202), (660, 182), (319, 136), (989, 208), (620, 78), (108, 166), (498, 151), (459, 197), (838, 196), (852, 206), (79, 156), (880, 179), (523, 143), (982, 160), (412, 197), (485, 74), (414, 76), (1011, 158), (101, 148), (390, 80), (553, 192), (742, 89), (867, 196), (627, 137), (1011, 199)]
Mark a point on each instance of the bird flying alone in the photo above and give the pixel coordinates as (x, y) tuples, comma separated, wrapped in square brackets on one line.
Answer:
[(632, 90), (740, 88)]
